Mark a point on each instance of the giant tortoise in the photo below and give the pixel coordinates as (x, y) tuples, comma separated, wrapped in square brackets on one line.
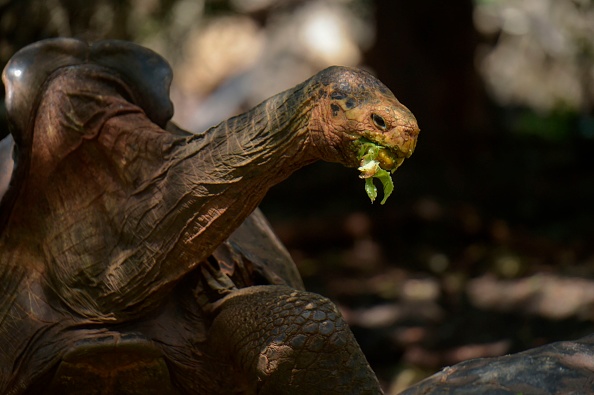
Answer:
[(133, 258)]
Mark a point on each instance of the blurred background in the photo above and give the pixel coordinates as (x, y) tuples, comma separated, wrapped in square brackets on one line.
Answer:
[(486, 246)]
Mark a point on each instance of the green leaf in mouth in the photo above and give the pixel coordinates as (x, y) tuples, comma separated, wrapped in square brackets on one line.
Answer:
[(370, 169)]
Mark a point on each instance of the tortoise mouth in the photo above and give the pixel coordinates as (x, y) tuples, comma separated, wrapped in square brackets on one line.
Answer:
[(390, 159)]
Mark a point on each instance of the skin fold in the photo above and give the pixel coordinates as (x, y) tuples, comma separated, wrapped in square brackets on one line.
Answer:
[(122, 249)]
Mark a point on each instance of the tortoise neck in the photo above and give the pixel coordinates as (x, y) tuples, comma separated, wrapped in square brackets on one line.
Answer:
[(273, 135), (228, 169)]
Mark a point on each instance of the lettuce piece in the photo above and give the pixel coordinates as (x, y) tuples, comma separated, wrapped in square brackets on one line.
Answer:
[(370, 169), (370, 189)]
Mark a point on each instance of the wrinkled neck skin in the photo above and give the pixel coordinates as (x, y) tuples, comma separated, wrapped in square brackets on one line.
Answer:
[(231, 166), (119, 209)]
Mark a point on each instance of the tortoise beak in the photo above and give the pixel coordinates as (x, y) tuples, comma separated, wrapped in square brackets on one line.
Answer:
[(390, 159), (399, 144)]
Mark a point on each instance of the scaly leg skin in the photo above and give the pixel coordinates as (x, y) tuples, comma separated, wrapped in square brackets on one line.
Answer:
[(290, 342)]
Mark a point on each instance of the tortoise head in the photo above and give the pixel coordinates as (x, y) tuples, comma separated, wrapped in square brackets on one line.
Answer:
[(355, 106)]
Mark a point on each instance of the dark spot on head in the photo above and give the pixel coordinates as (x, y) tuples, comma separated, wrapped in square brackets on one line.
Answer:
[(383, 89), (337, 95), (350, 103), (335, 109), (322, 93)]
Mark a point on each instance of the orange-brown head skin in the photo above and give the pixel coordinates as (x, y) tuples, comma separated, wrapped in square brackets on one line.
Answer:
[(354, 105)]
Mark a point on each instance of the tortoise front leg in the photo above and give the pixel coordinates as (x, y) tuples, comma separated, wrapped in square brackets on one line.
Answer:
[(289, 342)]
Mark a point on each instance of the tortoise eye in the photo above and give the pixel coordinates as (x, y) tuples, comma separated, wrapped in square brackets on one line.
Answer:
[(379, 121)]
